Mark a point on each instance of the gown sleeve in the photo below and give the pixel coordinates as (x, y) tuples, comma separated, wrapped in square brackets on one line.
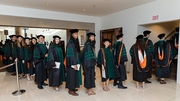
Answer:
[(50, 58), (89, 58), (100, 59)]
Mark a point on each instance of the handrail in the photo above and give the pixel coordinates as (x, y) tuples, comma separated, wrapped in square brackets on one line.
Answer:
[(170, 34), (3, 67)]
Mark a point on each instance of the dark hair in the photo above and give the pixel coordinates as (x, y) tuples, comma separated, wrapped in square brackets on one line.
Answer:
[(141, 44), (76, 42), (92, 42), (59, 44)]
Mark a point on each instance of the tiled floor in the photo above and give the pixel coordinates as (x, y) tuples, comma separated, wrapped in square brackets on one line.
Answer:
[(152, 92)]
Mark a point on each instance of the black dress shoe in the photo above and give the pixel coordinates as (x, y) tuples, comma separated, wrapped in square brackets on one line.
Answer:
[(13, 74), (122, 87), (40, 87), (147, 81), (115, 83), (44, 84)]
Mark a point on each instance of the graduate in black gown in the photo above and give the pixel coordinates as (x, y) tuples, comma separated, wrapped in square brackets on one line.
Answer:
[(150, 45), (163, 57), (10, 53), (106, 64), (175, 40), (40, 59), (140, 58), (74, 76), (120, 57), (28, 56), (55, 64), (32, 65), (5, 60), (89, 63), (22, 70)]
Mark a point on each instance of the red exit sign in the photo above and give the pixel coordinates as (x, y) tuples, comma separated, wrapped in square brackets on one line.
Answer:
[(156, 17)]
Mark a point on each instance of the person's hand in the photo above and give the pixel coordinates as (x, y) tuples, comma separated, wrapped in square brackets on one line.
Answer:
[(117, 66), (75, 67), (33, 65), (23, 61), (46, 55), (10, 58), (16, 60), (125, 63), (102, 67), (170, 62)]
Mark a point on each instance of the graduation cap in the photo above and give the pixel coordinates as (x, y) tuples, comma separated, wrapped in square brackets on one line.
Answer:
[(40, 36), (90, 33), (19, 36), (11, 36), (160, 36), (73, 31), (56, 36), (26, 38), (33, 38), (119, 36), (139, 37), (146, 32), (104, 40)]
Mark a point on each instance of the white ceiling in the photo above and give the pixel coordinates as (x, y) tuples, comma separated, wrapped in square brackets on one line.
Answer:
[(91, 7)]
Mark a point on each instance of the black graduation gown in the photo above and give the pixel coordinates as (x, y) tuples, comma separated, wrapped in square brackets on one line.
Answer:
[(29, 59), (11, 51), (162, 66), (89, 62), (56, 75), (120, 72), (73, 79), (139, 74), (40, 60), (150, 45), (21, 56), (175, 39)]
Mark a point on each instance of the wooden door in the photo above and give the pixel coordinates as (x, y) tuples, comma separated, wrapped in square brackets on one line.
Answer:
[(110, 34)]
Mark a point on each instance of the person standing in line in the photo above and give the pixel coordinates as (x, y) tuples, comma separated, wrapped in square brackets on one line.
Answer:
[(89, 63), (40, 59), (22, 70), (106, 64), (120, 57), (150, 45), (139, 58), (55, 64), (74, 76), (10, 53), (163, 57), (32, 65), (28, 56)]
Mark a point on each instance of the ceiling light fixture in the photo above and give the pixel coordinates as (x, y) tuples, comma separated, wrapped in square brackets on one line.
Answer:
[(47, 4), (84, 10)]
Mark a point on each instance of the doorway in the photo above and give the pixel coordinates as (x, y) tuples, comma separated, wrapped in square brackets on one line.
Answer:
[(109, 34), (169, 29)]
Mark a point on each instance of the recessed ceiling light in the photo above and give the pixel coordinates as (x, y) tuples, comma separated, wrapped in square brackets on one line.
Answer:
[(47, 4), (84, 10)]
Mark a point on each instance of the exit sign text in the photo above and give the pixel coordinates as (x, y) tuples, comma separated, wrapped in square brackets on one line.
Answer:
[(156, 17)]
